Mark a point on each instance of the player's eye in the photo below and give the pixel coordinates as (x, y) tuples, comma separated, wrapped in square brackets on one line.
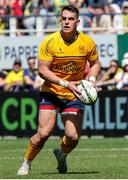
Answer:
[(63, 18), (70, 18)]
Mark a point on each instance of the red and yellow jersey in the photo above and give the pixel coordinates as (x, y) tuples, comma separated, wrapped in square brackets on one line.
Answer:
[(68, 60)]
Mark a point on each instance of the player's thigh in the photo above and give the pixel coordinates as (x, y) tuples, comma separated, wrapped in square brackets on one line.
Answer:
[(47, 121), (73, 124)]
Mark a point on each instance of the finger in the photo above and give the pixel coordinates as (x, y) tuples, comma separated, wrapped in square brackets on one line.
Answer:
[(77, 90), (76, 94)]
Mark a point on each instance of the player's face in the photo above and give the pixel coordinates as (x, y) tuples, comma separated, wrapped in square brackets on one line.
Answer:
[(69, 21), (17, 67), (31, 63)]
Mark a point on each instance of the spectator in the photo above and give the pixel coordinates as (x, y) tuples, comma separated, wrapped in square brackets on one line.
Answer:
[(46, 10), (14, 79), (3, 75), (123, 83), (93, 4), (16, 10), (116, 19), (16, 7), (3, 20), (112, 76), (31, 79), (119, 2), (125, 58), (125, 16), (101, 22), (5, 4), (30, 13)]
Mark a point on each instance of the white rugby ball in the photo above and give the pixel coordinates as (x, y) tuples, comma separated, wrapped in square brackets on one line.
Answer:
[(88, 92)]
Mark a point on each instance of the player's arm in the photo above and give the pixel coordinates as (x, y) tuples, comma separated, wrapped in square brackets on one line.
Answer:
[(48, 75), (94, 69)]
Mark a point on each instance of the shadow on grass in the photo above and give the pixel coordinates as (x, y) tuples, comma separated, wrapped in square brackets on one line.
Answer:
[(72, 172), (86, 172)]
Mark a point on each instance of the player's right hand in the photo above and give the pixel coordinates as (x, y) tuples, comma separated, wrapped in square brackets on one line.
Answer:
[(72, 85)]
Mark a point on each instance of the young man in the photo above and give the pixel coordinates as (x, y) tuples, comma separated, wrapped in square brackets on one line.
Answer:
[(62, 61), (31, 78)]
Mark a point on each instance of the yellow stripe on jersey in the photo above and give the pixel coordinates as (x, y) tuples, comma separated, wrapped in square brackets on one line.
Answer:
[(68, 60)]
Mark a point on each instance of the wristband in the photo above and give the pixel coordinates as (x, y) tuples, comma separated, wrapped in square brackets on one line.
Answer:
[(63, 83), (92, 78)]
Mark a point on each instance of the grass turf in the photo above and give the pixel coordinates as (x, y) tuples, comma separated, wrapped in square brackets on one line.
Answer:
[(92, 159)]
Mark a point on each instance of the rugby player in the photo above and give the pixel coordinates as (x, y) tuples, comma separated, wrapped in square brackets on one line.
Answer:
[(62, 61)]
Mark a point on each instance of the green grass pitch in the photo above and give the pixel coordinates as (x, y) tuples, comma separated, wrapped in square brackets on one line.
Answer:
[(92, 159)]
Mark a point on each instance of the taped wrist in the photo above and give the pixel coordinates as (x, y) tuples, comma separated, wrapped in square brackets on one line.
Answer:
[(63, 83), (92, 78)]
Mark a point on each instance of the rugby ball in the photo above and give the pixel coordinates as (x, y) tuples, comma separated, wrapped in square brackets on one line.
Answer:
[(88, 92)]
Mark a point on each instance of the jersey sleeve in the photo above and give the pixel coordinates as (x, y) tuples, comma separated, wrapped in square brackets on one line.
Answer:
[(93, 53), (45, 50)]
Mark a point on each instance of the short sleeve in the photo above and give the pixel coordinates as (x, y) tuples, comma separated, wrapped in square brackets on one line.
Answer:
[(93, 53), (45, 50)]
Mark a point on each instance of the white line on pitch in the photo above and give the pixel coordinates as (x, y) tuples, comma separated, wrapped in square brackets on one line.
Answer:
[(77, 149), (85, 156)]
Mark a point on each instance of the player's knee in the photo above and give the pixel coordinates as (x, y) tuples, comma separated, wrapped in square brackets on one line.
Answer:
[(44, 133), (37, 143), (74, 136), (73, 140)]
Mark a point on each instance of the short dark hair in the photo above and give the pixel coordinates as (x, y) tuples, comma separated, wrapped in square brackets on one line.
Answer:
[(17, 61), (31, 57), (115, 61), (70, 8)]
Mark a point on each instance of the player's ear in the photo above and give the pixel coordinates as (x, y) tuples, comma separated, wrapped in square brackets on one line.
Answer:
[(78, 22)]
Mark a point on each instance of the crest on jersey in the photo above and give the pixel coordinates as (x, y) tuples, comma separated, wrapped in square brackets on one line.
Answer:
[(81, 49)]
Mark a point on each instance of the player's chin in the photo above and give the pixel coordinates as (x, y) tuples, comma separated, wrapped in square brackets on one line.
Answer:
[(67, 30)]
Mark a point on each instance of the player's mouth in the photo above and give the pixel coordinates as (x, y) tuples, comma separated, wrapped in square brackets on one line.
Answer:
[(66, 27)]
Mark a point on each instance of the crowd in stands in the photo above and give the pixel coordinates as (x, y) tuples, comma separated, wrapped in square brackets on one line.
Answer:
[(100, 16), (115, 77), (19, 79), (96, 16)]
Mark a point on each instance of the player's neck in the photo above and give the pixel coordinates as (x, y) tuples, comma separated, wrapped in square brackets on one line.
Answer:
[(69, 38)]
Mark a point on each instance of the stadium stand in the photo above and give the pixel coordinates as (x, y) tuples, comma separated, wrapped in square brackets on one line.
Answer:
[(39, 17), (29, 17)]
